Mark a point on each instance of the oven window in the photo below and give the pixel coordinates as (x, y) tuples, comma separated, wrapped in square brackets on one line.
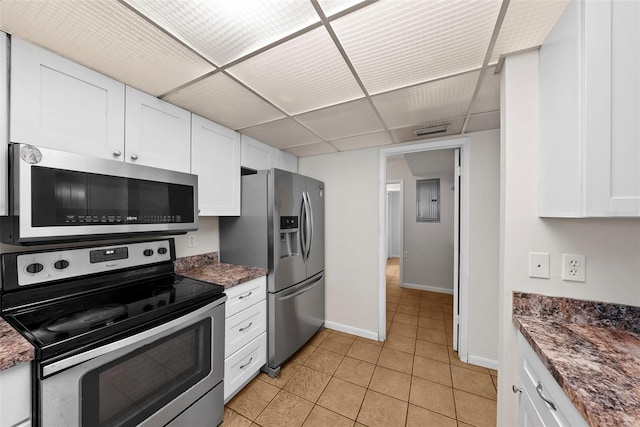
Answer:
[(128, 390)]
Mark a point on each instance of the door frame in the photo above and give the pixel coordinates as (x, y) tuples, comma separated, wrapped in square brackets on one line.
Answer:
[(463, 298)]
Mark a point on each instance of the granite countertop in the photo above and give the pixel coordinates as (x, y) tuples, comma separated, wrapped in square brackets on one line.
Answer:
[(591, 349), (207, 268), (13, 347)]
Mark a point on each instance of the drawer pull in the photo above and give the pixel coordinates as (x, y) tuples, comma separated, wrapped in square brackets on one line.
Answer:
[(515, 389), (246, 327), (247, 364), (547, 401), (245, 296)]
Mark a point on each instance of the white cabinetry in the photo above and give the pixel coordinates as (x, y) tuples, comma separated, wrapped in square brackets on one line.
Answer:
[(4, 121), (215, 158), (157, 133), (541, 400), (15, 395), (258, 155), (59, 104), (245, 334), (589, 141), (285, 161)]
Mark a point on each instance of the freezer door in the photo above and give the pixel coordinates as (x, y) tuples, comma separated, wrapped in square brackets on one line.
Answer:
[(295, 315), (315, 255), (287, 266)]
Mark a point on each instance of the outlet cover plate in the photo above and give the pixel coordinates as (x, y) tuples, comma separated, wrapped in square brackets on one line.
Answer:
[(539, 265), (574, 268)]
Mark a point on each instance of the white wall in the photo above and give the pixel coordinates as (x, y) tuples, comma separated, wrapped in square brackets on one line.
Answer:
[(428, 244), (611, 246)]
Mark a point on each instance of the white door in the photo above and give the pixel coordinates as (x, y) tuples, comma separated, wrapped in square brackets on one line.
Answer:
[(456, 248)]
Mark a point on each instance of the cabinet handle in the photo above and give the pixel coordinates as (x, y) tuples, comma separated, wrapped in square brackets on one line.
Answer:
[(515, 389), (246, 327), (245, 296), (117, 153), (547, 401), (247, 364), (134, 157)]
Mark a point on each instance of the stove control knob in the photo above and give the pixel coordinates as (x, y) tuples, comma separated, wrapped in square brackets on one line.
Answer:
[(162, 251), (61, 264), (34, 268), (147, 252)]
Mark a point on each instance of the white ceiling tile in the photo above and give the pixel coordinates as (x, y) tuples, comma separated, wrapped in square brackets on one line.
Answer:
[(399, 43), (488, 98), (281, 133), (224, 101), (484, 121), (300, 75), (406, 134), (105, 36), (362, 141), (331, 7), (429, 102), (526, 24), (311, 149), (224, 31), (342, 120)]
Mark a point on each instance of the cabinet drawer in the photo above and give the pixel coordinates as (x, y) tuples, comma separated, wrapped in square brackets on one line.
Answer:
[(243, 365), (245, 326), (245, 295)]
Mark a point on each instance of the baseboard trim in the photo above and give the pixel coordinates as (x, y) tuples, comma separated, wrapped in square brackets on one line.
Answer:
[(364, 333), (482, 361), (427, 288)]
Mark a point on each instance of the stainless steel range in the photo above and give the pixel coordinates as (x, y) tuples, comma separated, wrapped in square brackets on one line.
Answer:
[(120, 339)]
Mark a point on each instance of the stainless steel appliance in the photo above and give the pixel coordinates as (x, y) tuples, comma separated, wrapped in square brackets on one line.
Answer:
[(59, 196), (281, 227), (120, 339)]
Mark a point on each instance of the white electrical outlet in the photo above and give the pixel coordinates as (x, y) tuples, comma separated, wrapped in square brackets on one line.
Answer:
[(539, 265), (192, 240), (574, 268)]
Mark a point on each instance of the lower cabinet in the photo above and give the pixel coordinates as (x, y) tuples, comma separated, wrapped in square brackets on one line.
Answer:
[(245, 349), (15, 396), (542, 402)]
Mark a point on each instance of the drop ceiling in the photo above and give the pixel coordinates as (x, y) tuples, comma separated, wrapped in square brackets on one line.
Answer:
[(307, 76)]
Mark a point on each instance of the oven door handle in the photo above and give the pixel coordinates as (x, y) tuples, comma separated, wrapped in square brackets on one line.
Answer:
[(138, 339)]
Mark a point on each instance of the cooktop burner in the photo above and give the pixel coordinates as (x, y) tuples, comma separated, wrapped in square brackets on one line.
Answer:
[(87, 319)]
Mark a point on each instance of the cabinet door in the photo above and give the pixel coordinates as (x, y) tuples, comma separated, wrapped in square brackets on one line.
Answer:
[(215, 158), (157, 133), (4, 120), (285, 161), (528, 416), (15, 389), (59, 104), (255, 154)]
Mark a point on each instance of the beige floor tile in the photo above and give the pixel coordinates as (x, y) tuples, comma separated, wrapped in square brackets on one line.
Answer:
[(340, 333), (286, 372), (404, 329), (337, 343), (432, 370), (432, 351), (475, 382), (390, 315), (342, 397), (455, 360), (392, 383), (432, 335), (410, 301), (303, 354), (400, 343), (493, 372), (285, 410), (408, 319), (317, 339), (379, 410), (432, 396), (396, 360), (392, 306), (324, 361), (252, 399), (494, 378), (408, 309), (362, 350), (475, 410), (461, 424), (393, 299), (321, 417), (388, 326), (394, 293), (368, 341), (355, 371), (307, 383), (420, 417), (234, 419), (425, 322)]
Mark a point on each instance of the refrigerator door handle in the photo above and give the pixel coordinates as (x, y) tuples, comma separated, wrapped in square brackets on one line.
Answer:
[(311, 225), (303, 229), (303, 290)]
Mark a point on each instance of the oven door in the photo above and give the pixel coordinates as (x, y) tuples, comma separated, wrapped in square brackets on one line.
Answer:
[(150, 378)]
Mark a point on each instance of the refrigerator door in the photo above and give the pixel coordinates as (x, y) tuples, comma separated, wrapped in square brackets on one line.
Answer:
[(287, 266), (315, 255), (295, 314)]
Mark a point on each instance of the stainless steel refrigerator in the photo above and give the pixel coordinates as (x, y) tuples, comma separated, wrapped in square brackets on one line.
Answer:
[(281, 227)]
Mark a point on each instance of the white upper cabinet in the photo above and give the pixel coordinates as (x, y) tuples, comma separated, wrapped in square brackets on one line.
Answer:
[(589, 141), (285, 161), (215, 158), (258, 155), (59, 104), (4, 120), (157, 133)]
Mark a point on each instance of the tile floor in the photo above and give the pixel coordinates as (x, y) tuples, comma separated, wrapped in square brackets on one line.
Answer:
[(412, 379)]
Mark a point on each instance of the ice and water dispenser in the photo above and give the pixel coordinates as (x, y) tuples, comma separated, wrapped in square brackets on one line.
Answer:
[(289, 238)]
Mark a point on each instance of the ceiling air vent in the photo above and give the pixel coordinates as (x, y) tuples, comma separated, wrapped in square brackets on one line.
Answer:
[(433, 130)]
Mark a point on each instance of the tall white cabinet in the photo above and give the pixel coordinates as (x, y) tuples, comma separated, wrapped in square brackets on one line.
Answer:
[(589, 140), (258, 156)]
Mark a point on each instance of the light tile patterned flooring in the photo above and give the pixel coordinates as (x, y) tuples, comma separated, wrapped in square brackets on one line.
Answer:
[(412, 379)]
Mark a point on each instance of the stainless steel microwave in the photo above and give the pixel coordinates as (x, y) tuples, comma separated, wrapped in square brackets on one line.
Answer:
[(55, 196)]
